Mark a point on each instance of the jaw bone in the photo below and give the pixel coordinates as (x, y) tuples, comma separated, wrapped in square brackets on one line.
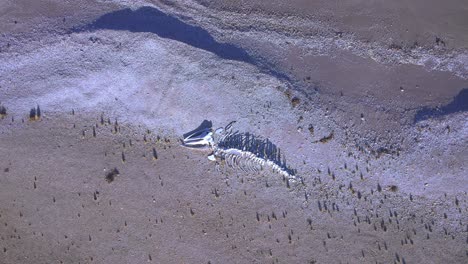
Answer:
[(202, 138), (205, 137)]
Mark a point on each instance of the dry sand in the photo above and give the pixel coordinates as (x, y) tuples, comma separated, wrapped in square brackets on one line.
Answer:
[(368, 102)]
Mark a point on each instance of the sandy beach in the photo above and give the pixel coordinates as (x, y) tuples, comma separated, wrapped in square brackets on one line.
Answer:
[(365, 104)]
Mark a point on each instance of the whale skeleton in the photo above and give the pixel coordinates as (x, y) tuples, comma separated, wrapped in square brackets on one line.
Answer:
[(237, 150)]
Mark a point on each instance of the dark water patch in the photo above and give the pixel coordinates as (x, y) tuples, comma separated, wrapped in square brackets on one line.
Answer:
[(458, 104)]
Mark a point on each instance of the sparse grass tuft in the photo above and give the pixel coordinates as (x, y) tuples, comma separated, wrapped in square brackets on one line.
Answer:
[(3, 111)]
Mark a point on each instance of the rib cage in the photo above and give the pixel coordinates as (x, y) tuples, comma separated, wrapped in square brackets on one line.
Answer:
[(251, 154)]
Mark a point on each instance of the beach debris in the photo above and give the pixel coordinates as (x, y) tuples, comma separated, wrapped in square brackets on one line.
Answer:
[(110, 176), (325, 139)]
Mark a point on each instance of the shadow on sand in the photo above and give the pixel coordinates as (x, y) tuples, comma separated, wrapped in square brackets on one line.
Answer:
[(458, 104), (149, 19), (152, 20)]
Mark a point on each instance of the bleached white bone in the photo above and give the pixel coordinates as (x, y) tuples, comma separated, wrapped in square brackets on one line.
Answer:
[(203, 138), (236, 158)]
